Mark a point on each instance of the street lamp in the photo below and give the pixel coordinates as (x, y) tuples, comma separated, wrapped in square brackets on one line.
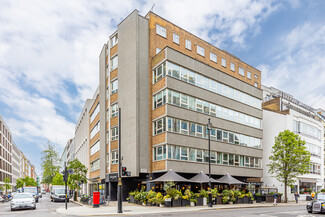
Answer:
[(209, 127)]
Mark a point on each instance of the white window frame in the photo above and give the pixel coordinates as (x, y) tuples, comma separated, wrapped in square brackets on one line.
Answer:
[(157, 50), (114, 40), (114, 63), (114, 110), (114, 86), (200, 50), (114, 133), (241, 71), (188, 44), (175, 38), (184, 131), (224, 62), (232, 67), (114, 157), (184, 156), (95, 148), (94, 113), (161, 31), (95, 130), (213, 57), (249, 75)]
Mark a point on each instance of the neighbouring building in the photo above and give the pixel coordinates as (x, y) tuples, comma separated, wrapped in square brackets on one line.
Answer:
[(321, 113), (6, 144), (70, 150), (81, 141), (63, 157), (168, 83), (281, 111), (16, 162)]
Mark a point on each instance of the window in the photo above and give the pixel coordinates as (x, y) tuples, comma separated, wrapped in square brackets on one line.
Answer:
[(188, 44), (256, 84), (114, 110), (173, 70), (175, 38), (213, 57), (223, 62), (114, 40), (114, 132), (232, 66), (114, 63), (95, 130), (200, 50), (160, 153), (184, 74), (225, 159), (241, 71), (158, 50), (184, 101), (161, 31), (159, 126), (114, 86), (114, 157), (184, 127), (159, 99), (199, 130), (199, 156), (249, 75), (256, 76), (94, 113), (95, 148), (94, 165), (184, 154), (159, 72)]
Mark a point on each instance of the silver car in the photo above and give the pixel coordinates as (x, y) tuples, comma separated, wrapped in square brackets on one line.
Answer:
[(22, 201)]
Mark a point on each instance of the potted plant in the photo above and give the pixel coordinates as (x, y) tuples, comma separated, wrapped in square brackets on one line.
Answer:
[(258, 197), (132, 194), (176, 197), (193, 202), (225, 199), (186, 198), (158, 199), (232, 200), (202, 198), (214, 193), (168, 201), (240, 198), (151, 198)]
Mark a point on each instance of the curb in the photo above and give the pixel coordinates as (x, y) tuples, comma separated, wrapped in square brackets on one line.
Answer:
[(76, 202)]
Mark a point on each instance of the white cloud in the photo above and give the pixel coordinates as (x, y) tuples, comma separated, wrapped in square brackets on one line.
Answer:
[(48, 48), (299, 66)]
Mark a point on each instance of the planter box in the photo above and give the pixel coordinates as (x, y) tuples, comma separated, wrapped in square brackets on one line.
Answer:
[(168, 202), (240, 200), (258, 199), (200, 201), (269, 198), (185, 202), (132, 200), (177, 203), (219, 200), (214, 201)]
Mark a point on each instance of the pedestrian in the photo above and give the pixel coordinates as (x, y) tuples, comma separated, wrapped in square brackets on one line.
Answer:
[(296, 197), (275, 197)]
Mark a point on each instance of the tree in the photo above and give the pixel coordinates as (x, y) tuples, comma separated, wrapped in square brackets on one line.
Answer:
[(7, 184), (19, 183), (289, 158), (29, 181), (78, 176), (50, 164), (58, 179)]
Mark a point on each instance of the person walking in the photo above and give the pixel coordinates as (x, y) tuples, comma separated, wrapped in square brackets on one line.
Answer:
[(275, 197), (296, 197)]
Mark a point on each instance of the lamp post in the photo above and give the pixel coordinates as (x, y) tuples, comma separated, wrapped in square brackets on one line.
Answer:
[(209, 126)]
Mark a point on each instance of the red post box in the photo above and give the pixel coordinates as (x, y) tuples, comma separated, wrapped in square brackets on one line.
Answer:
[(96, 198)]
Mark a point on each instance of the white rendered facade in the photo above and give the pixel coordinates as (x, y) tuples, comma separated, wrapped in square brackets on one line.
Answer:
[(81, 140), (301, 120)]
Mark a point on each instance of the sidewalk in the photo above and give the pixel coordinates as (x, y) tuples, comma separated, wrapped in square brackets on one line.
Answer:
[(133, 209)]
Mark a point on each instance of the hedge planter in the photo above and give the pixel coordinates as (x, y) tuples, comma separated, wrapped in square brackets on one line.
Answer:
[(258, 199), (240, 200), (185, 202), (168, 202), (176, 203), (219, 200), (132, 200), (246, 199)]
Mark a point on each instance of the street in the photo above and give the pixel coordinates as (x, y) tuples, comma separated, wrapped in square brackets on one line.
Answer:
[(44, 208), (297, 211)]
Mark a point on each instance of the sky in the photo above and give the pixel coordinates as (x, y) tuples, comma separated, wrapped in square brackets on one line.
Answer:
[(49, 53)]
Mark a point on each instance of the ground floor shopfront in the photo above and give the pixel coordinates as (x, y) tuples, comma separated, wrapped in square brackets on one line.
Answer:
[(109, 189)]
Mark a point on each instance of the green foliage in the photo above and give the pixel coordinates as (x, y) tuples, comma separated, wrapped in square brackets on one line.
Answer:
[(258, 194), (168, 186), (7, 184), (174, 194), (58, 179), (237, 193), (203, 193), (289, 158), (151, 196), (323, 190), (193, 201), (187, 194), (19, 183), (50, 164), (225, 199), (79, 174), (233, 199), (159, 199), (133, 193), (214, 192)]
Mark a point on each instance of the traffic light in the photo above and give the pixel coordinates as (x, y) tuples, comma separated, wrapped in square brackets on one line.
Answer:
[(123, 171)]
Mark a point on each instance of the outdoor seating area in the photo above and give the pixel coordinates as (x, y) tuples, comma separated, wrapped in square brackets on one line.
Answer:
[(171, 196)]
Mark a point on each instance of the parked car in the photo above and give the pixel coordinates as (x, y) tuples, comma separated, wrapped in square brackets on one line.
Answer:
[(30, 189), (23, 201), (58, 193), (317, 205)]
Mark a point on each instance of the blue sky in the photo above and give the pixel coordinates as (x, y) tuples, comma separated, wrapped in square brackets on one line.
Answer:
[(49, 53)]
